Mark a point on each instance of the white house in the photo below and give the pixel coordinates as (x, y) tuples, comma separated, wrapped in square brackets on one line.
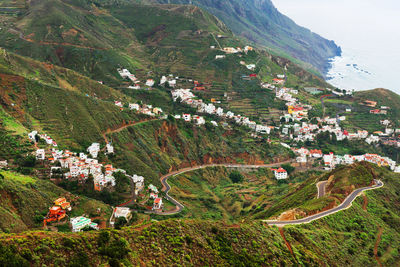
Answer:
[(280, 174), (251, 66), (220, 56), (134, 106), (109, 149), (150, 82), (40, 154), (263, 129), (118, 104), (199, 120), (3, 164), (32, 136), (78, 223), (94, 149), (123, 212), (187, 117)]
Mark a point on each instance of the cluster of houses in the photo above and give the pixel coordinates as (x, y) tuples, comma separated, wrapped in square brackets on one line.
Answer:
[(34, 136), (187, 97), (157, 203), (143, 109), (126, 74), (331, 160), (80, 166)]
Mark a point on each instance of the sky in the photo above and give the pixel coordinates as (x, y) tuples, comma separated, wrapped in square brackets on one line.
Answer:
[(369, 29)]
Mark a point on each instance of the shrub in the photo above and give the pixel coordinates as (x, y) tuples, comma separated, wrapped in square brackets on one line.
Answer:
[(236, 177)]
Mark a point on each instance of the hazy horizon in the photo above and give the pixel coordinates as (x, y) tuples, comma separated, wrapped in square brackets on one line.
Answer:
[(365, 29)]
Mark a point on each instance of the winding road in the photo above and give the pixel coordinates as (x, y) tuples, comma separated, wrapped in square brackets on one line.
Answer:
[(321, 188), (345, 205), (179, 207)]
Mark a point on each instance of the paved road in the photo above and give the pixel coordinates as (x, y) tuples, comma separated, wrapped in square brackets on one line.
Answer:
[(345, 205), (321, 188), (179, 207)]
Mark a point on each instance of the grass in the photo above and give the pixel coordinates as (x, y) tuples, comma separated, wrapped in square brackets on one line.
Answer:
[(18, 177)]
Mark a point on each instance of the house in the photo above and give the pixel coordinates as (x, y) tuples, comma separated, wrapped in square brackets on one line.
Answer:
[(369, 103), (251, 66), (278, 81), (199, 120), (3, 164), (220, 56), (123, 212), (40, 154), (157, 111), (32, 136), (150, 82), (172, 83), (134, 106), (94, 149), (118, 104), (280, 173), (214, 123), (153, 195), (157, 204), (78, 223), (315, 153), (153, 188), (329, 160), (109, 149), (253, 75), (187, 117), (230, 50), (135, 87), (263, 129), (281, 76)]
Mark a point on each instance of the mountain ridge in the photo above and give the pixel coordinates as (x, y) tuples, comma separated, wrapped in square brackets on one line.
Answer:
[(261, 22)]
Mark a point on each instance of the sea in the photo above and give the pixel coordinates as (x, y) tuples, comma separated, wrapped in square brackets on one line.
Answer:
[(366, 30)]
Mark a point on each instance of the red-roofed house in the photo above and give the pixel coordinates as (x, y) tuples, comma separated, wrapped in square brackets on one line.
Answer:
[(157, 204), (280, 173)]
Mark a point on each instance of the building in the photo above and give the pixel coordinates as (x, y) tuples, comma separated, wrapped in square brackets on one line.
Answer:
[(40, 154), (187, 117), (109, 149), (123, 212), (78, 223), (157, 204), (150, 82), (3, 164), (94, 149), (280, 173), (134, 106)]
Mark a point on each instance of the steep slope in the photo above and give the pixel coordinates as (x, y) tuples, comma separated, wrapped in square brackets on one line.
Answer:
[(70, 107), (346, 238), (261, 22), (25, 200)]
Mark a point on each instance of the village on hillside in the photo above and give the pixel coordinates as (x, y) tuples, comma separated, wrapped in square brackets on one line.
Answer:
[(295, 128)]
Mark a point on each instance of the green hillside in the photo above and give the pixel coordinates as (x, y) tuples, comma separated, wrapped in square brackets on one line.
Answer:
[(260, 22), (345, 238), (25, 200)]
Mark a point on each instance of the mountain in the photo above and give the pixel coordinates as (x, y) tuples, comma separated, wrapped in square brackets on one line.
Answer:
[(261, 22)]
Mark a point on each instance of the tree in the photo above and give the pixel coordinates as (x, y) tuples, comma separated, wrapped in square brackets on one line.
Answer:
[(121, 182), (120, 222), (236, 177), (289, 168)]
